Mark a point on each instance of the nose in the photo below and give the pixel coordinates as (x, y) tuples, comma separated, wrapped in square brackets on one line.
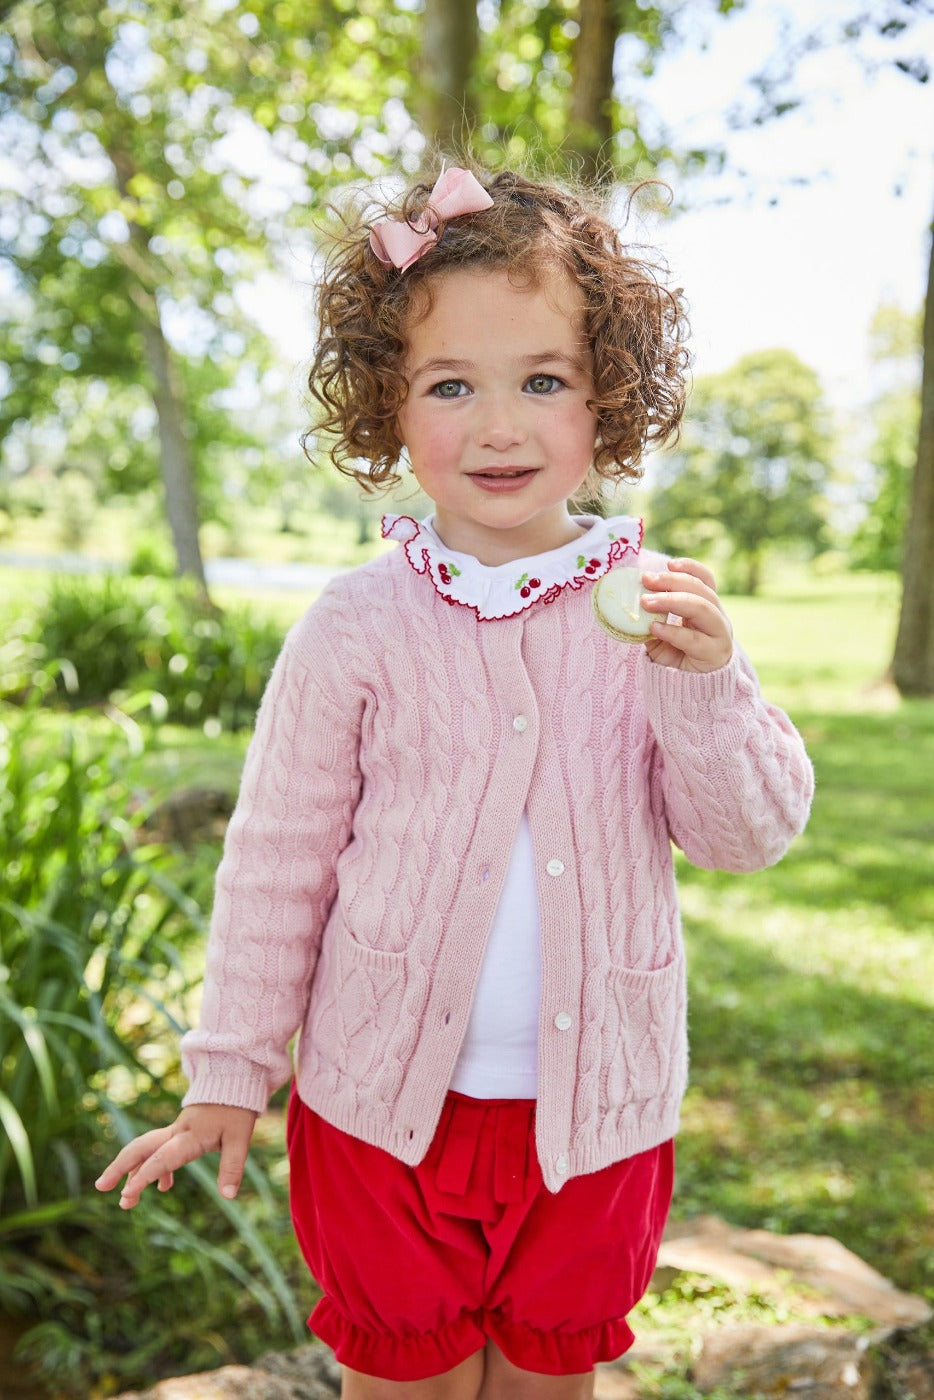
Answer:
[(499, 425)]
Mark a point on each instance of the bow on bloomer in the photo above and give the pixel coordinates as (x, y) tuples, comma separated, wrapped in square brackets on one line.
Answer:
[(455, 192)]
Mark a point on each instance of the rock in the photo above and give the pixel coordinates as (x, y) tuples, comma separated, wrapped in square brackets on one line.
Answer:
[(187, 817), (817, 1363), (806, 1276), (909, 1363), (842, 1284), (308, 1373)]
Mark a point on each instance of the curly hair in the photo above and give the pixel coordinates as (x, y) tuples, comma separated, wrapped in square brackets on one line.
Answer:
[(634, 322)]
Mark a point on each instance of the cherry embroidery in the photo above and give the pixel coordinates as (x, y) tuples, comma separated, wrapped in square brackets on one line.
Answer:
[(525, 585), (446, 570)]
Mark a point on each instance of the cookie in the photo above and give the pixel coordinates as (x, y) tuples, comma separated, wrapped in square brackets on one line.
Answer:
[(616, 605)]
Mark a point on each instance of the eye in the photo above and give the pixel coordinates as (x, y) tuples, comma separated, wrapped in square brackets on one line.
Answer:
[(448, 389), (544, 383)]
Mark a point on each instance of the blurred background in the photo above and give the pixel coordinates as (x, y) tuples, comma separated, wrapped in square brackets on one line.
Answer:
[(167, 172)]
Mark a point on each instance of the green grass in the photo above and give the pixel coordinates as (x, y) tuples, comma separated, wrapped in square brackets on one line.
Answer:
[(811, 1106), (811, 1102), (252, 532)]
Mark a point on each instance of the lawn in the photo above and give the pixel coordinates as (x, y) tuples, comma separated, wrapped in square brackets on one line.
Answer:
[(811, 1103)]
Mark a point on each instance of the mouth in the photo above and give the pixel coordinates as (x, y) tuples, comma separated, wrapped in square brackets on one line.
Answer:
[(501, 473)]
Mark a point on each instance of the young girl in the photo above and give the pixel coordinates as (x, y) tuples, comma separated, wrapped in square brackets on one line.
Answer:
[(450, 863)]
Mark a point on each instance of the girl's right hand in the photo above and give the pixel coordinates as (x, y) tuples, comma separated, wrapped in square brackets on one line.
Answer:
[(198, 1129)]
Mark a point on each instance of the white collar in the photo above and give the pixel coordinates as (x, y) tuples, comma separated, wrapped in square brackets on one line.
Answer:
[(499, 591)]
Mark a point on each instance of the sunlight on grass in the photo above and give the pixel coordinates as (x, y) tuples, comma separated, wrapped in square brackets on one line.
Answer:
[(822, 643), (811, 1102)]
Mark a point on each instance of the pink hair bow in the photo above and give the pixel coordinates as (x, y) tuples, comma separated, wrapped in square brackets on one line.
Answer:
[(455, 192)]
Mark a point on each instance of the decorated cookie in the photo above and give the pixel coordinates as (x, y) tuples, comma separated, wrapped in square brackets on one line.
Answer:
[(616, 604)]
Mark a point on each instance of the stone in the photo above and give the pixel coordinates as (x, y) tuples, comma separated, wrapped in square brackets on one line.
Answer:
[(810, 1276), (817, 1363), (309, 1372), (841, 1283)]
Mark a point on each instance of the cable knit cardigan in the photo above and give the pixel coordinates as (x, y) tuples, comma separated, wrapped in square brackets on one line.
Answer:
[(380, 799)]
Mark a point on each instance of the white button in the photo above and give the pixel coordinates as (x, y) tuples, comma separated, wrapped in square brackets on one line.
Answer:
[(564, 1020), (555, 867), (520, 724), (562, 1166)]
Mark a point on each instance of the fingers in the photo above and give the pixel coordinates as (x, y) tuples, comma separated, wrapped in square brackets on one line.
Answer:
[(685, 575), (694, 569), (131, 1157), (157, 1155), (233, 1161), (179, 1149), (700, 638)]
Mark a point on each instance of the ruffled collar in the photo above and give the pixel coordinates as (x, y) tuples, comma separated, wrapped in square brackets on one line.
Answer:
[(499, 591)]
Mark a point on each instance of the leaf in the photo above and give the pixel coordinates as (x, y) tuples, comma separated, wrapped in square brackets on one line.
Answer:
[(18, 1139)]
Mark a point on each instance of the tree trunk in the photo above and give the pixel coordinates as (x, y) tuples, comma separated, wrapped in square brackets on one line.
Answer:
[(913, 663), (178, 476), (591, 120), (446, 109), (177, 471)]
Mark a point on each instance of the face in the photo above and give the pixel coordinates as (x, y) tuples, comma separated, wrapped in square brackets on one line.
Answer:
[(496, 421)]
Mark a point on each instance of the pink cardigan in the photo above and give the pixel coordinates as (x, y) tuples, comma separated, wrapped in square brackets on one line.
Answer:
[(380, 799)]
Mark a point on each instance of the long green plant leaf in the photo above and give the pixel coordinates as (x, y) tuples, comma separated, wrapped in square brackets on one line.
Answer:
[(18, 1139)]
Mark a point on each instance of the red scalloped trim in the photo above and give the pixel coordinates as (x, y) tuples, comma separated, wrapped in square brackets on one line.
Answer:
[(616, 551)]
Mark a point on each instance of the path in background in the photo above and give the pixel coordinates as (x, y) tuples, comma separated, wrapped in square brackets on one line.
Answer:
[(237, 573)]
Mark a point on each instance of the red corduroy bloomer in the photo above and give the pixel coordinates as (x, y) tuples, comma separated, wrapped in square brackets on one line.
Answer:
[(420, 1266)]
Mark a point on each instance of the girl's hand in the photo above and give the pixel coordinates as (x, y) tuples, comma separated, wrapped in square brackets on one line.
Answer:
[(703, 640), (198, 1129)]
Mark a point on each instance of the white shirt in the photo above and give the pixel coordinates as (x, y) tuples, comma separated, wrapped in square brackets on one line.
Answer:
[(499, 1053)]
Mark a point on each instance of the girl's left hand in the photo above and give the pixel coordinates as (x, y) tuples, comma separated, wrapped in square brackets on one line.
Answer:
[(703, 640)]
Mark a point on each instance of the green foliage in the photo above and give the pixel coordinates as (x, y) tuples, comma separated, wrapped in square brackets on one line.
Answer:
[(96, 956), (810, 991), (812, 1070), (143, 137), (108, 636), (878, 539), (90, 929), (524, 78), (896, 411), (753, 466)]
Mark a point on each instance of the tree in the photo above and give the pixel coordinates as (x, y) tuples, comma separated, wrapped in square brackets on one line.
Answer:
[(913, 662), (142, 136), (537, 82), (878, 540), (881, 35), (753, 464), (445, 98)]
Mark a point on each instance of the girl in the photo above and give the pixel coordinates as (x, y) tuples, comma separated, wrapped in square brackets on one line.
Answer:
[(450, 863)]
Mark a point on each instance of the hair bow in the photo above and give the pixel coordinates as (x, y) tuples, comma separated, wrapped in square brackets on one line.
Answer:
[(455, 192)]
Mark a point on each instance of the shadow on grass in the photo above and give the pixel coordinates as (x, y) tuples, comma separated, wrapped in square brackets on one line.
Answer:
[(811, 1106)]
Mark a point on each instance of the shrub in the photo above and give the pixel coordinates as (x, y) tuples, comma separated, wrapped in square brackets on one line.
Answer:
[(151, 557), (96, 959), (105, 637)]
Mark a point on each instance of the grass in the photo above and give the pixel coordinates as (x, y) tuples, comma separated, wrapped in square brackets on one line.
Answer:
[(811, 1103), (811, 1106), (251, 532)]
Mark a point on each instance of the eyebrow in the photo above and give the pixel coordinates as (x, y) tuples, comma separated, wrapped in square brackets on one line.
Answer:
[(536, 357)]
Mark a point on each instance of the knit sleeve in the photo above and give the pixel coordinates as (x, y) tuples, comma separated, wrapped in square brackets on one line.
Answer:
[(277, 877), (735, 780)]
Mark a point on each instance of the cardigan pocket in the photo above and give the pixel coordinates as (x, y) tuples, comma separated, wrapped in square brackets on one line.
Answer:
[(650, 1050), (358, 1019)]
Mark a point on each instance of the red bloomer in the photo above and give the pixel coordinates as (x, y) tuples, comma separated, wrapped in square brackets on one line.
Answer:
[(420, 1266)]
